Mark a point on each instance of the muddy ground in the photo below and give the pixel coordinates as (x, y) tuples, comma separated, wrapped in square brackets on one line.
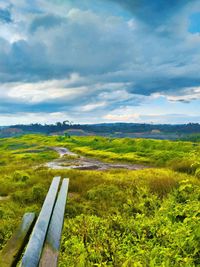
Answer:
[(70, 160)]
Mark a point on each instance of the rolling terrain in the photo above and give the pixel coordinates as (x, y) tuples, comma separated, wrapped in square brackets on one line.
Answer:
[(114, 216), (188, 131)]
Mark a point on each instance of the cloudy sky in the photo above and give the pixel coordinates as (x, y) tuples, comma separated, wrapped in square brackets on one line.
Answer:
[(93, 61)]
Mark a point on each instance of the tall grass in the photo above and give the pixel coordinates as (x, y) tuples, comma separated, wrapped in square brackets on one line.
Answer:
[(117, 218)]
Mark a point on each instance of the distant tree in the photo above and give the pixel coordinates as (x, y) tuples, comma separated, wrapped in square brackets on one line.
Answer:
[(58, 124), (66, 122)]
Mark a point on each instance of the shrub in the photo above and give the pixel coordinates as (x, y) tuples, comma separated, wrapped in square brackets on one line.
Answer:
[(184, 165), (3, 162), (106, 197), (20, 176), (22, 197), (38, 193), (162, 186), (197, 173), (6, 187), (1, 213)]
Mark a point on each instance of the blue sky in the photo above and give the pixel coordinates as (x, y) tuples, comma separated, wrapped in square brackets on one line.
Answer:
[(94, 61)]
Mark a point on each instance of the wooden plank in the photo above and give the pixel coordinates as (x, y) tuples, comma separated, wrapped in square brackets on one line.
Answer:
[(14, 247), (52, 244), (34, 248)]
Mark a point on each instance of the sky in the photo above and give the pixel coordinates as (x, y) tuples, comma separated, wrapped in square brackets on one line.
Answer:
[(92, 61)]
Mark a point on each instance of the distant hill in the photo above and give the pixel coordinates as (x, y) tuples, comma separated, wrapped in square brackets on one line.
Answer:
[(10, 131), (135, 130)]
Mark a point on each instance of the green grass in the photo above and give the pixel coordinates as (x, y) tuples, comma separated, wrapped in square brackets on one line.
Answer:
[(116, 218)]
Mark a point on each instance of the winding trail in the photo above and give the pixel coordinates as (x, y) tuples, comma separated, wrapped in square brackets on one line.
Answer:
[(70, 160), (63, 151)]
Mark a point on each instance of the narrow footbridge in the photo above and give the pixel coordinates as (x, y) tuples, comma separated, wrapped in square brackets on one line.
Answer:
[(40, 236)]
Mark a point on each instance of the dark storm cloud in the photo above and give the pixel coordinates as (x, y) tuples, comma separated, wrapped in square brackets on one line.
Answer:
[(5, 15), (46, 22), (153, 12), (164, 85), (57, 46), (52, 43)]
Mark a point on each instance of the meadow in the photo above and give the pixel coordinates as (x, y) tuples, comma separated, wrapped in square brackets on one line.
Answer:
[(147, 217)]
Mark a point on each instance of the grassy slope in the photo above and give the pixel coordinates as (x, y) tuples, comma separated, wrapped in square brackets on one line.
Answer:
[(143, 151), (113, 218)]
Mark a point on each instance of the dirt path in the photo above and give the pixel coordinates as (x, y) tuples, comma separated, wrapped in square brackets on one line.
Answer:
[(63, 151), (70, 160)]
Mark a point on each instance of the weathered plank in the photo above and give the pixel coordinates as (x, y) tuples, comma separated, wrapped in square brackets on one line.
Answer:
[(52, 244), (34, 248), (14, 247)]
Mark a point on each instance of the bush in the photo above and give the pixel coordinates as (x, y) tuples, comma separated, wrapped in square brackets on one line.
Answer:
[(6, 186), (197, 173), (162, 186), (38, 193), (20, 176), (184, 165), (22, 197)]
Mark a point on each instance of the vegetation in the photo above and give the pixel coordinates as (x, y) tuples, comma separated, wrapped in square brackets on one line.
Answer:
[(162, 131), (116, 218), (180, 156), (192, 138)]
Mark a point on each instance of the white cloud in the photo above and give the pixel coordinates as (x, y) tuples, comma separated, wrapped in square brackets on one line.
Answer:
[(122, 114), (122, 117), (117, 95), (152, 118), (116, 62), (27, 118), (44, 91), (185, 95), (91, 107)]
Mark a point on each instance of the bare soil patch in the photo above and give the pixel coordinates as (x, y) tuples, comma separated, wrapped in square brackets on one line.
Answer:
[(70, 160)]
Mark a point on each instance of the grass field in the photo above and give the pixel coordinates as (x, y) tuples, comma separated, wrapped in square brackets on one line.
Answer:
[(116, 218)]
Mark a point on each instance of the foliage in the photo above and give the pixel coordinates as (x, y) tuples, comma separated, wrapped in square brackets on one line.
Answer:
[(106, 129), (148, 217)]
